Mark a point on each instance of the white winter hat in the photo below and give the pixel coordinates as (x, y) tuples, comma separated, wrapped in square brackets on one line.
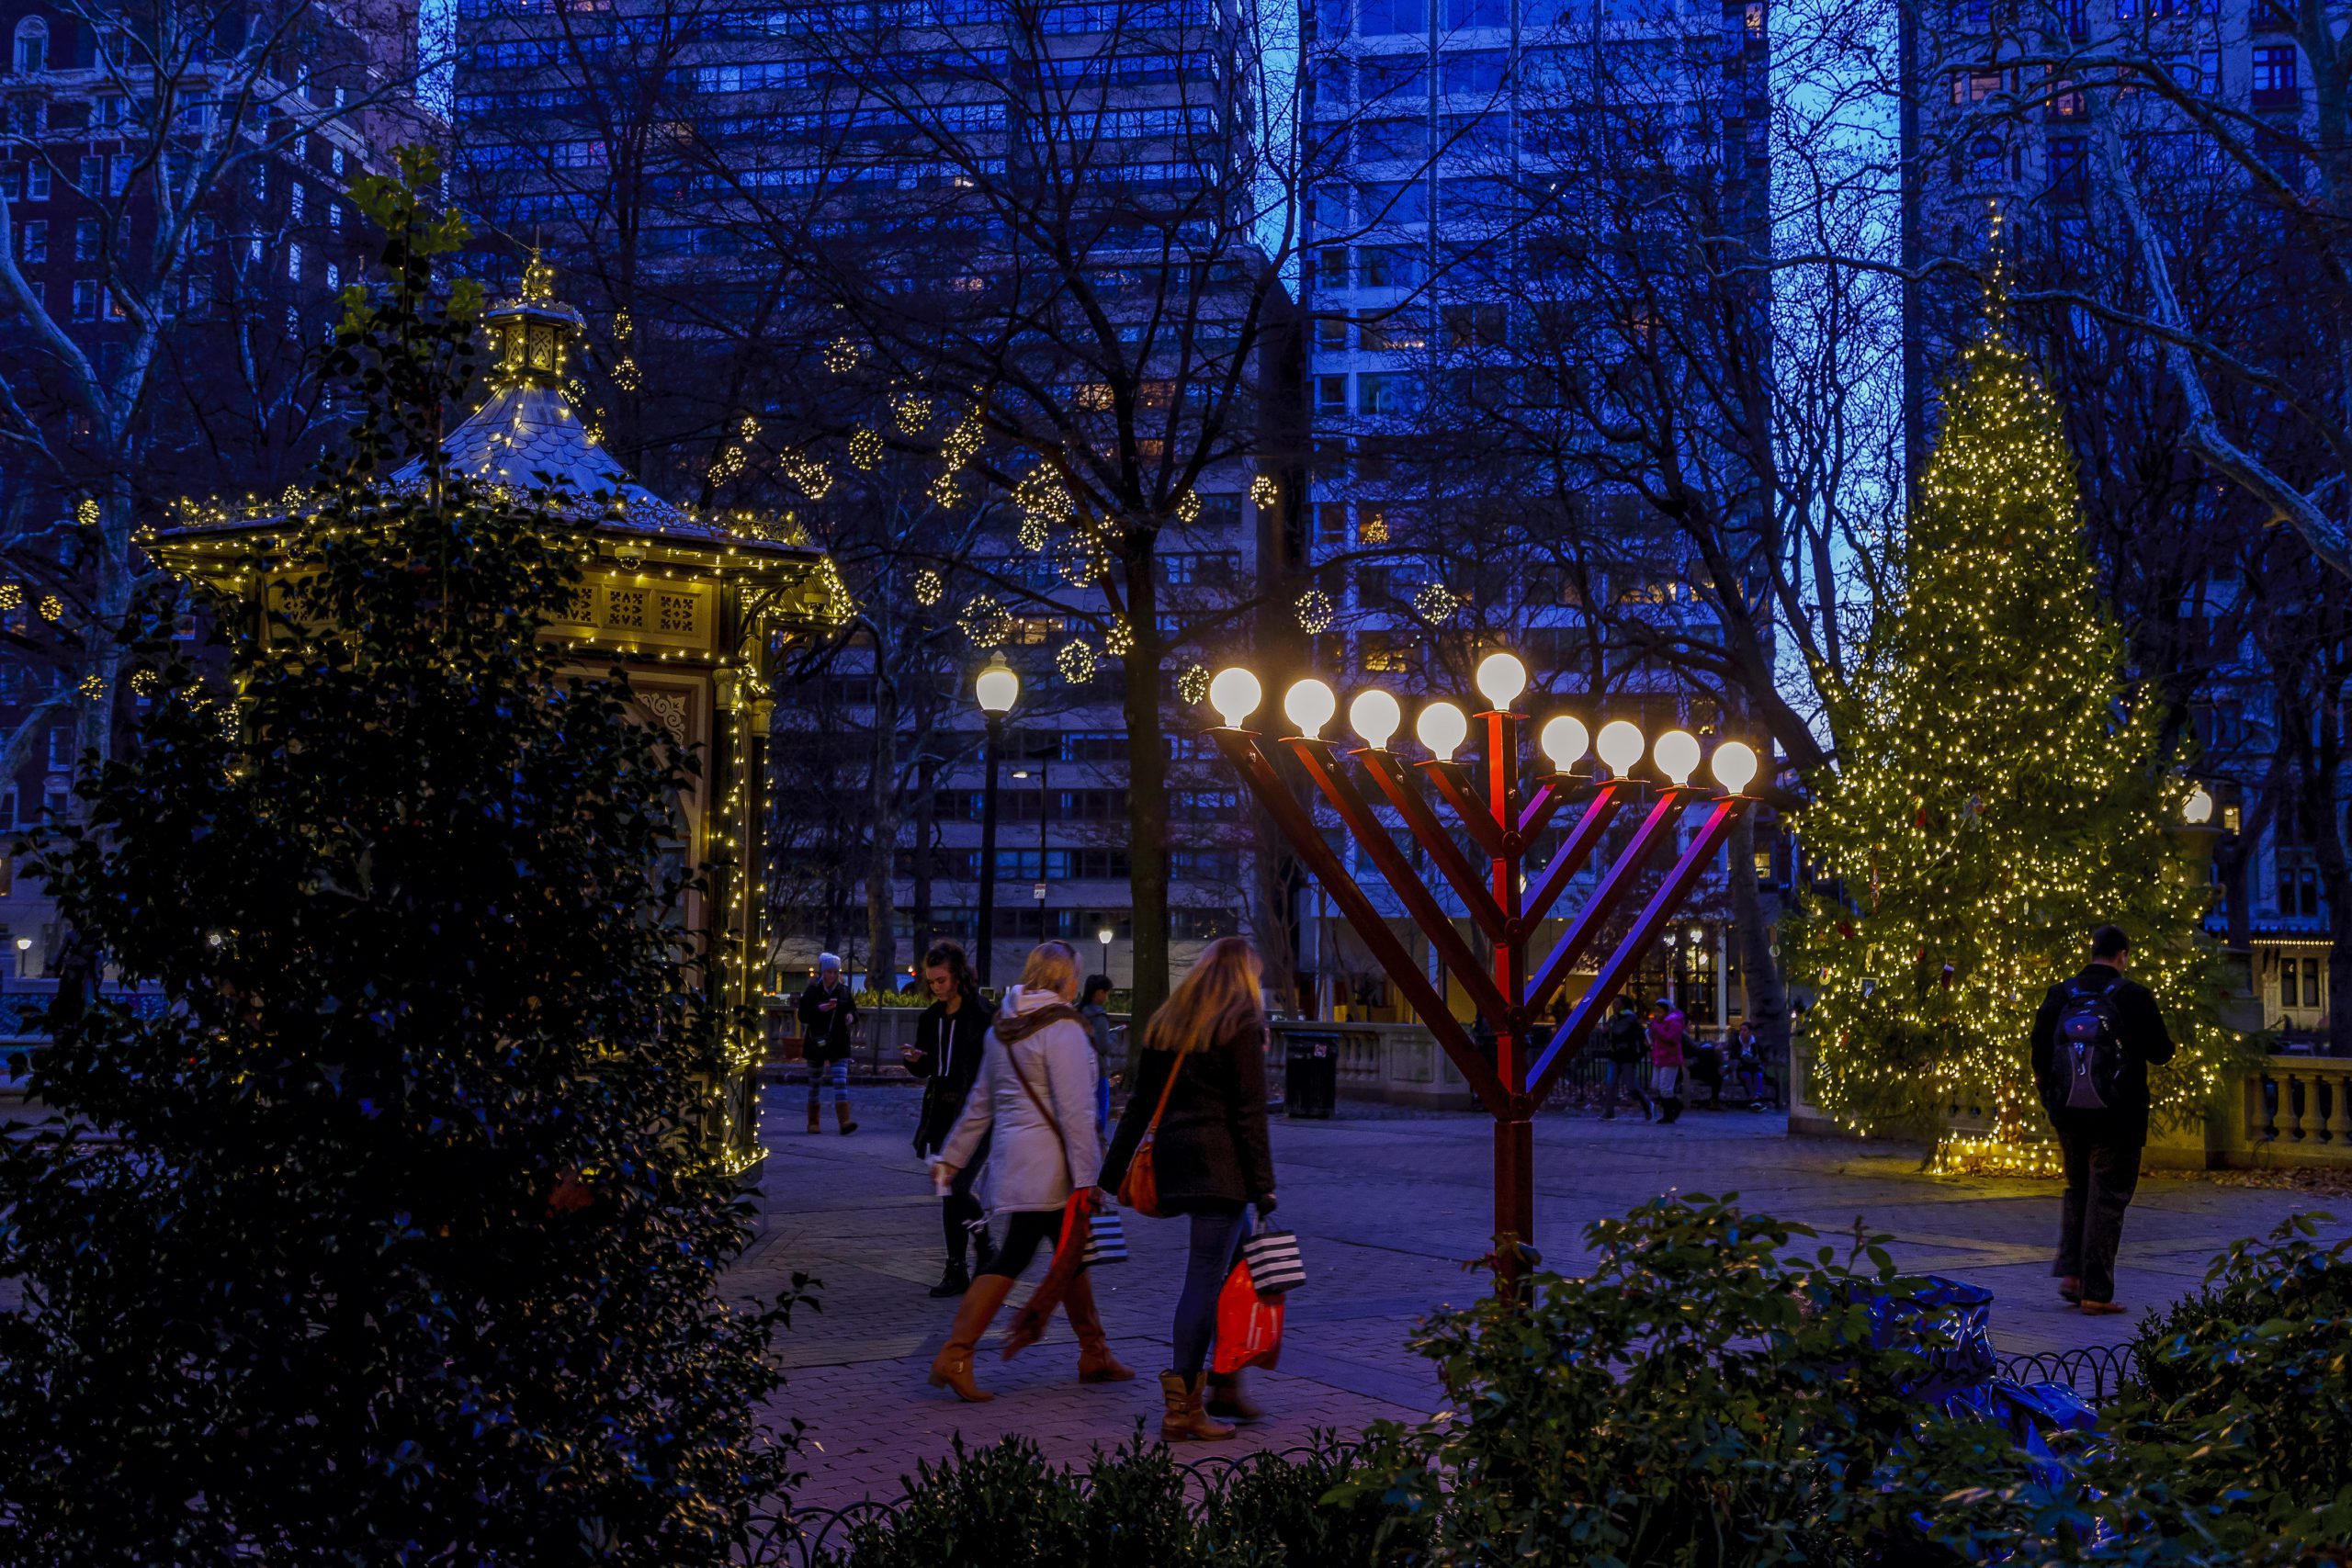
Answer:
[(828, 961)]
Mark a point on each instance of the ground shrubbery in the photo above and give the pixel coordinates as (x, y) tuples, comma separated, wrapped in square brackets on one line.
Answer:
[(1720, 1392)]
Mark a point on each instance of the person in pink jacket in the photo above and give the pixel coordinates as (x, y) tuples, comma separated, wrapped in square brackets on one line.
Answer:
[(1666, 1062)]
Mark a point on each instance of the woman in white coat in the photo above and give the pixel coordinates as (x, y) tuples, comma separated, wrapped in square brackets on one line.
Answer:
[(1035, 1091)]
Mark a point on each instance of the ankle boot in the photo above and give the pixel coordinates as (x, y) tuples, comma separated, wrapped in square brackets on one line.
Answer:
[(1228, 1401), (952, 1366), (840, 1114), (954, 1283), (1182, 1419), (1096, 1362), (814, 1124)]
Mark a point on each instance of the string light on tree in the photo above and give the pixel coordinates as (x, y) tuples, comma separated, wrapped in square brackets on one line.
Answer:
[(841, 355), (1193, 686), (1263, 492), (1076, 661), (985, 621), (2003, 798), (1119, 640), (865, 450), (912, 410), (1315, 611), (928, 586), (1188, 507), (1435, 602)]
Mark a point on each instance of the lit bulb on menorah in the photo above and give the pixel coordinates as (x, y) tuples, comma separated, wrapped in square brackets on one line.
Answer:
[(1503, 807)]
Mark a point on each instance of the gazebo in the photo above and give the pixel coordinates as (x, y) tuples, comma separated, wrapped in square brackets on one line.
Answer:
[(696, 609)]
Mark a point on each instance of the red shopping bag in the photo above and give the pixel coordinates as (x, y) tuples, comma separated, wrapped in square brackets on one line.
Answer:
[(1249, 1325)]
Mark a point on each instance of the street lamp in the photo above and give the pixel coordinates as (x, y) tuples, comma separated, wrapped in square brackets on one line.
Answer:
[(1502, 807), (996, 688), (1103, 935)]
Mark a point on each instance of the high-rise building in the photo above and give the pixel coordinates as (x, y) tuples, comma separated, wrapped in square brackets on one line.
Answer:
[(1514, 179)]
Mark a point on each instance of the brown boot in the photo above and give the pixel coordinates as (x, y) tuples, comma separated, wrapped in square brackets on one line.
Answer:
[(840, 1114), (814, 1124), (952, 1366), (1096, 1362), (1182, 1419), (1228, 1401)]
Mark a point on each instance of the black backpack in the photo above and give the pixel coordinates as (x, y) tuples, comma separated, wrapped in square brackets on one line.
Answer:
[(2086, 1051)]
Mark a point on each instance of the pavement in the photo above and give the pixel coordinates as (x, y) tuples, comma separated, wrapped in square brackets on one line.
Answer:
[(1391, 1210)]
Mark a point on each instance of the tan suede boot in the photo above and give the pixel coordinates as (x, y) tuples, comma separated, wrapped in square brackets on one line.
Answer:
[(1182, 1419), (815, 1125), (840, 1114), (952, 1366), (1096, 1362)]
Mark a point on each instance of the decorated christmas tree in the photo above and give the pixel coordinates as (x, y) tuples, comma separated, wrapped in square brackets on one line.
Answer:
[(2000, 795)]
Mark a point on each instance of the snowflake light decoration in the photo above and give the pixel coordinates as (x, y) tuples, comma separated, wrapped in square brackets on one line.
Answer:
[(985, 621), (1315, 611), (1262, 490), (1193, 686), (865, 450), (809, 476), (1076, 661), (1435, 602), (928, 586)]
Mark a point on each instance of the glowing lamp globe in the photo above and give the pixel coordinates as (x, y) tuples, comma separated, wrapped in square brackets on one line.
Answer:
[(2198, 809), (1565, 742), (1375, 716), (1235, 693), (1103, 935), (1676, 753), (1619, 746), (1735, 766), (1441, 727), (1501, 677), (1311, 705), (997, 687)]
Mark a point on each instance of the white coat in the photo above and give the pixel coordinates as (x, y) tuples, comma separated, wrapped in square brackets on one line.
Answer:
[(1028, 1167)]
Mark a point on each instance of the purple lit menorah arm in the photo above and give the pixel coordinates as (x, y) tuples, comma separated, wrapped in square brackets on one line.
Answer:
[(1612, 892), (1452, 782), (1549, 797), (1241, 749), (1316, 757), (1469, 884), (1621, 964), (1582, 839)]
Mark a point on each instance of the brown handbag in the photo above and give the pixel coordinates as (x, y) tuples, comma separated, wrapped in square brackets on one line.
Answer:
[(1139, 1190)]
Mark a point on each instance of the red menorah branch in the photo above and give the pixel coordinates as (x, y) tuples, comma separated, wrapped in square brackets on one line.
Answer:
[(1502, 819)]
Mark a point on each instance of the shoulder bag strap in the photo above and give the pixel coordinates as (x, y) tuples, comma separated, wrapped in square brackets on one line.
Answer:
[(1038, 1100), (1162, 1109)]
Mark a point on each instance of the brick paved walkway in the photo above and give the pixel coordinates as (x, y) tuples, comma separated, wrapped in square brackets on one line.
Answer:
[(1388, 1209)]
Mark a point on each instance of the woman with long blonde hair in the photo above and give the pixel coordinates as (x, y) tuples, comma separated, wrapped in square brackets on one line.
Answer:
[(1201, 1093)]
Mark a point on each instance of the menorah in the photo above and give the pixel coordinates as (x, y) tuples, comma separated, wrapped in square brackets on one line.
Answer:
[(1503, 819)]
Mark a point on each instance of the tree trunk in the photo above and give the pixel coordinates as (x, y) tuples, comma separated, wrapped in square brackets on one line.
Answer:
[(1146, 794), (881, 859), (1767, 995), (103, 649), (926, 776)]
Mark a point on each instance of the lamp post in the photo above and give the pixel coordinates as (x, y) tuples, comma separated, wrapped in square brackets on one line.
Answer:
[(996, 688), (1503, 818)]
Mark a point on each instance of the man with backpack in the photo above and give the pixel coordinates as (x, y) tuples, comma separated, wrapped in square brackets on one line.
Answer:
[(2093, 1041)]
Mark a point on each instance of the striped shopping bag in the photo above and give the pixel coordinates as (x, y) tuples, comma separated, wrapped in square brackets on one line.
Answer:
[(1274, 1263), (1106, 1239)]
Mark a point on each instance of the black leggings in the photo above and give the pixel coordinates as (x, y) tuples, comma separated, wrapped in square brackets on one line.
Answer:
[(959, 1213), (1028, 1228)]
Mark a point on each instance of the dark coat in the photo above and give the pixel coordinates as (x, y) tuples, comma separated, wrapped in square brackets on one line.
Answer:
[(2139, 1030), (1211, 1148), (825, 1037), (947, 1056)]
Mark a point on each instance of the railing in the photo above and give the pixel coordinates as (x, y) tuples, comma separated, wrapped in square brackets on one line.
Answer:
[(2300, 1108)]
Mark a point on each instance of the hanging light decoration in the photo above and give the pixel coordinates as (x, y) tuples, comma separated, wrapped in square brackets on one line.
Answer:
[(928, 586), (1315, 611), (1435, 602), (811, 477), (841, 355), (1263, 492), (865, 450), (1193, 686), (1120, 639), (985, 621), (912, 410), (1188, 507), (1076, 661)]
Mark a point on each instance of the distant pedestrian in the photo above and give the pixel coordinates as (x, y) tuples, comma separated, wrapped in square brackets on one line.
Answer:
[(2093, 1041), (1204, 1057), (1036, 1095), (828, 1010), (1621, 1059), (1667, 1062), (1094, 1006), (1747, 1062), (950, 1038)]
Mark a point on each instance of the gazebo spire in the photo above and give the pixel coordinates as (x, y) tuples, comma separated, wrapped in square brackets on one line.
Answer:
[(532, 335)]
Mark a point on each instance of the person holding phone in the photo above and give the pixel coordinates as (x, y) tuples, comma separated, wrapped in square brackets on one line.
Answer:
[(827, 1012), (949, 1038)]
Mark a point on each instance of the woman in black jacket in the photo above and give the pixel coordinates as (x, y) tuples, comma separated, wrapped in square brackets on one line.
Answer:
[(947, 1056), (1209, 1157)]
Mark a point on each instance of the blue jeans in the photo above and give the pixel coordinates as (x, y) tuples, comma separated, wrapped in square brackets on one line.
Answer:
[(1217, 1237), (1101, 1101), (835, 1073)]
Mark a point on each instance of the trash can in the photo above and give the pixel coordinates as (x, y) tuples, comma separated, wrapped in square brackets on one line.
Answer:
[(1310, 1074)]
